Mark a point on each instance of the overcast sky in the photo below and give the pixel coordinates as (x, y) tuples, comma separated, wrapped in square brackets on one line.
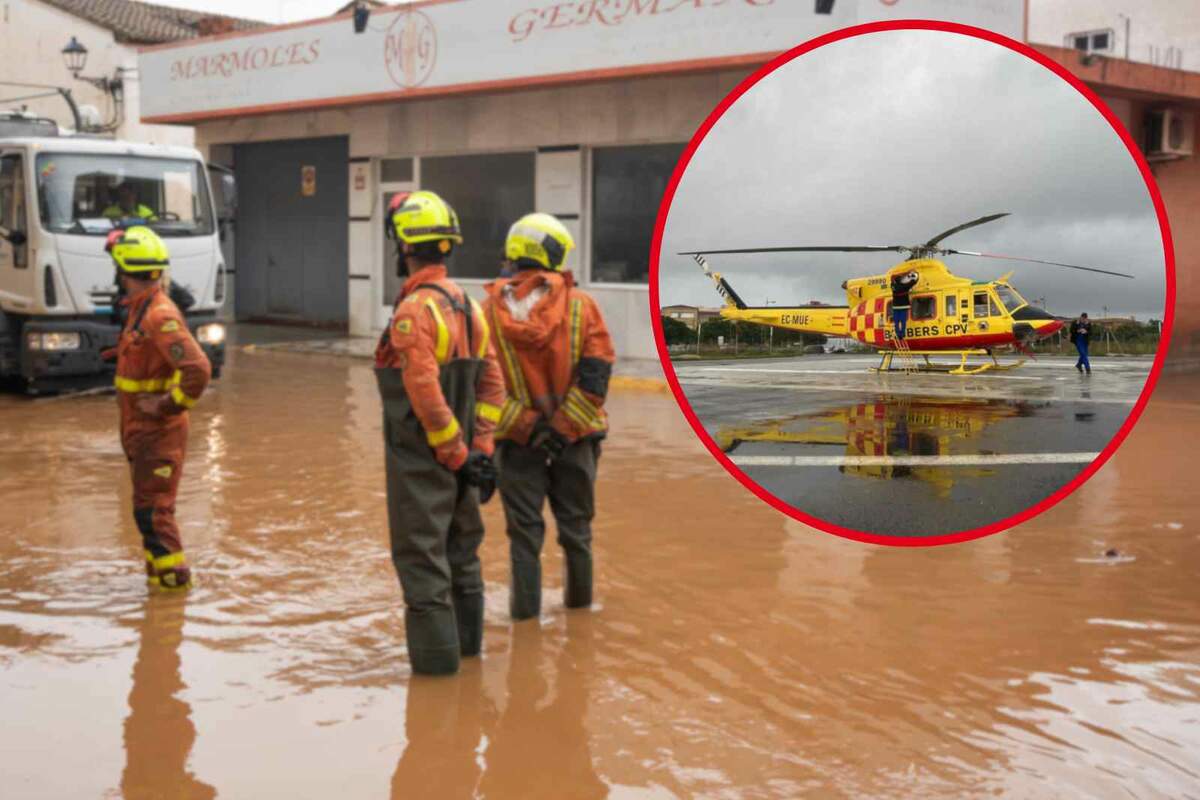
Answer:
[(893, 137)]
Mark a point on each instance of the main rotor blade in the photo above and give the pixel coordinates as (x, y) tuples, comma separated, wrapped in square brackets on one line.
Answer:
[(1036, 261), (863, 249), (989, 218)]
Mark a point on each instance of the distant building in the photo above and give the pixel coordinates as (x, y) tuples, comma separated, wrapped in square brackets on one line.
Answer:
[(689, 314), (34, 32)]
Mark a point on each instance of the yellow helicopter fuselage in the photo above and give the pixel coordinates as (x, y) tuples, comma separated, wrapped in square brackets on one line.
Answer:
[(947, 312)]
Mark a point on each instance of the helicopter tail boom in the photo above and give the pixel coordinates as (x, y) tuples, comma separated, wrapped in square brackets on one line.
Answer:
[(819, 319)]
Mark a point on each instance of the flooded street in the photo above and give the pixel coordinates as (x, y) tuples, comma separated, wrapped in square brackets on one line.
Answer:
[(733, 653)]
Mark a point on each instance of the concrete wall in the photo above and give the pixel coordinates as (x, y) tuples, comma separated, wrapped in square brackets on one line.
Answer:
[(1179, 183), (32, 36), (643, 111), (1154, 26)]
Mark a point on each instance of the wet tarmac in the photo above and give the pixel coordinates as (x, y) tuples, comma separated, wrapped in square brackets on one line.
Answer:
[(733, 653), (910, 455)]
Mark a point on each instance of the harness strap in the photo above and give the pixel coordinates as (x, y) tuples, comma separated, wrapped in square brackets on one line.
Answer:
[(461, 307)]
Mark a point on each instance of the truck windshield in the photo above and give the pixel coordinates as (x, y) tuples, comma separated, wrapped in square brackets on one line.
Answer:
[(1012, 301), (89, 193)]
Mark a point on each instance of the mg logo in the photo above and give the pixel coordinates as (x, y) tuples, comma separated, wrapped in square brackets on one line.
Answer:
[(410, 49)]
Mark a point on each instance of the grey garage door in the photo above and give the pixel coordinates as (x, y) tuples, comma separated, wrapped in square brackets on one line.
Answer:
[(293, 213)]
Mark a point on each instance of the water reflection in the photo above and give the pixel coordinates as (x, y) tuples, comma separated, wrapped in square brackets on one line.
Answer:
[(546, 710), (159, 733), (901, 425)]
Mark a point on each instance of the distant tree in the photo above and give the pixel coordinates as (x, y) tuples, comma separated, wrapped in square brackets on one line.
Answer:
[(675, 332), (715, 328)]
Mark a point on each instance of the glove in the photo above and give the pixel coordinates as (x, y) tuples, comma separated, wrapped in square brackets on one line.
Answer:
[(108, 355), (548, 440), (479, 471)]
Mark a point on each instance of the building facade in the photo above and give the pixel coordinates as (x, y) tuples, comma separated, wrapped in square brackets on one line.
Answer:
[(580, 109)]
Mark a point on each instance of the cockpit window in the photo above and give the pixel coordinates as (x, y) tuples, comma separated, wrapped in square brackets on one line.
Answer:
[(1009, 297)]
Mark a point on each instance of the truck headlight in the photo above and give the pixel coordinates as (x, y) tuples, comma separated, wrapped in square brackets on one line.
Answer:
[(212, 333), (55, 341)]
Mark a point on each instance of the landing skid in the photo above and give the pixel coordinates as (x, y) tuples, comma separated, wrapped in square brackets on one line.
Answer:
[(910, 364)]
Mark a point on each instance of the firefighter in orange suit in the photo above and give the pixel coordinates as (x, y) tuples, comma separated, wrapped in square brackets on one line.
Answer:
[(442, 392), (557, 358), (161, 373)]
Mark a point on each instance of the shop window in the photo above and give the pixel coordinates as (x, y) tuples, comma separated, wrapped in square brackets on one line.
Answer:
[(627, 186), (981, 305), (490, 193), (924, 307), (951, 305)]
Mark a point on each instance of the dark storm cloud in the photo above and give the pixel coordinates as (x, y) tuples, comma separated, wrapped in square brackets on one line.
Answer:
[(893, 137)]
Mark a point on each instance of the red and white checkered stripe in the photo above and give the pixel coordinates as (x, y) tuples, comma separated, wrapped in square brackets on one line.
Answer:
[(867, 323)]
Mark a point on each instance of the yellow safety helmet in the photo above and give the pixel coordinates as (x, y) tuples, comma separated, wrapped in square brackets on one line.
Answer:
[(425, 217), (137, 250), (538, 240)]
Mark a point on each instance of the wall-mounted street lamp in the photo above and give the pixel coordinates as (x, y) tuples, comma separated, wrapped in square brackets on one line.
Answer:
[(75, 58)]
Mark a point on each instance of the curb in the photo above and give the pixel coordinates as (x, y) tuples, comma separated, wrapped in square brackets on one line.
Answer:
[(629, 383)]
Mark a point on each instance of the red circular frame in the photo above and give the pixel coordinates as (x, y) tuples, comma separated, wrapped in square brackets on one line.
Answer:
[(1063, 491)]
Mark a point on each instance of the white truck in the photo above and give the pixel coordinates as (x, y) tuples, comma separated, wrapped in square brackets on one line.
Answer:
[(60, 196)]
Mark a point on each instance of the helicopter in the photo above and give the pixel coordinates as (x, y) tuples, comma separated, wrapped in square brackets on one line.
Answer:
[(950, 314)]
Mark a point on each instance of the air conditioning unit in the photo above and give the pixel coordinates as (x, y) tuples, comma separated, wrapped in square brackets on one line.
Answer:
[(1170, 133)]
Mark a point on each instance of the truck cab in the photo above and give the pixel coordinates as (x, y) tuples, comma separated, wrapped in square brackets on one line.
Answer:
[(60, 196)]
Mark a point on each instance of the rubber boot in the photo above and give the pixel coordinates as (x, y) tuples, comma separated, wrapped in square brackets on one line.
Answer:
[(468, 613), (432, 641), (577, 584), (170, 572), (525, 598)]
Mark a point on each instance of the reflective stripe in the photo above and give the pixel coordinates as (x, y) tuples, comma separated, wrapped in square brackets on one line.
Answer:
[(576, 417), (578, 407), (135, 385), (487, 411), (508, 415), (444, 435), (168, 561), (576, 325), (182, 399), (441, 350), (483, 326), (516, 378)]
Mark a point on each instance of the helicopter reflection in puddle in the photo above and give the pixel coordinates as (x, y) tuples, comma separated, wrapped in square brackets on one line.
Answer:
[(889, 426)]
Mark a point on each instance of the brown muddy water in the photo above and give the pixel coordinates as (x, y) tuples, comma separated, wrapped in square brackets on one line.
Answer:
[(733, 653)]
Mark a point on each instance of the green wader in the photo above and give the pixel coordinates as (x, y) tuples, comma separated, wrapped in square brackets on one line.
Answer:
[(435, 527), (525, 482)]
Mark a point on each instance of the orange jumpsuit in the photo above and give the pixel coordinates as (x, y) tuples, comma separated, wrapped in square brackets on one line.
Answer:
[(442, 392), (161, 373), (557, 357), (421, 338)]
